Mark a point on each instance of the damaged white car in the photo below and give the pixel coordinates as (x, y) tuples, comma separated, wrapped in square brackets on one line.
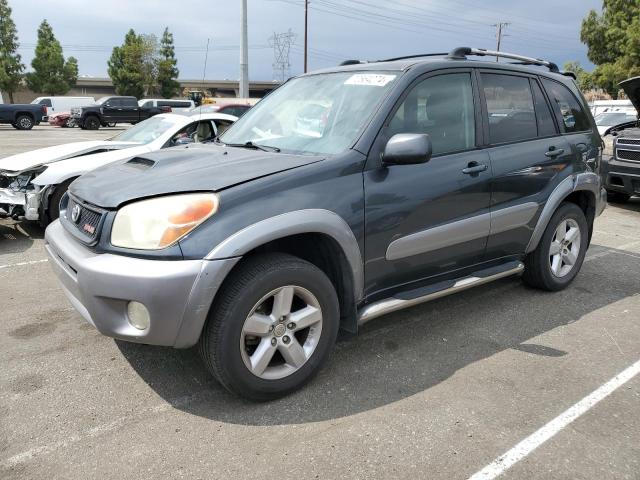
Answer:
[(32, 183)]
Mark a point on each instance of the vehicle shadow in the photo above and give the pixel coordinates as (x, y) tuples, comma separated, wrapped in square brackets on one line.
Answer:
[(17, 236), (401, 354), (633, 204)]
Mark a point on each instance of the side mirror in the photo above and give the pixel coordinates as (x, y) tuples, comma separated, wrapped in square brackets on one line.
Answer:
[(407, 149), (184, 141)]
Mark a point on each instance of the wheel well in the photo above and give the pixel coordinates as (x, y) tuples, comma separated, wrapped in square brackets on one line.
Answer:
[(587, 202), (325, 253), (26, 114)]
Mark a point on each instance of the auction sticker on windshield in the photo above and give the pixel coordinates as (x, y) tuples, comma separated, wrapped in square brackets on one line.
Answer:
[(371, 79)]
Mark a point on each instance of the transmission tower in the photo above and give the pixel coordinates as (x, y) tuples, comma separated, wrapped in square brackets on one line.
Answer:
[(281, 43)]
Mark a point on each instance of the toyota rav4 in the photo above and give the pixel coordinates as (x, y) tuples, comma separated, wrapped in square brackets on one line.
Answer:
[(420, 177)]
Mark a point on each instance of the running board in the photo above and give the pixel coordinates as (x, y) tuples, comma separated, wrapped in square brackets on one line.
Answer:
[(442, 289)]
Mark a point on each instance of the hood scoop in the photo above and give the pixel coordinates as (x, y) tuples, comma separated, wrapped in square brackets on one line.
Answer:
[(140, 163)]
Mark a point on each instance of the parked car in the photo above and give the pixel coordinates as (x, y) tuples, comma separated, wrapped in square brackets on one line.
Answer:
[(603, 106), (111, 111), (621, 157), (606, 120), (56, 105), (32, 183), (22, 116), (254, 248), (176, 105), (60, 119), (231, 109)]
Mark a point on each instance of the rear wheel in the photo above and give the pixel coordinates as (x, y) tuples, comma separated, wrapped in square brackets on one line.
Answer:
[(271, 328), (92, 123), (558, 258), (23, 122), (54, 200)]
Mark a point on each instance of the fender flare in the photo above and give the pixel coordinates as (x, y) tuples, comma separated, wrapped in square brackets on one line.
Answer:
[(588, 181), (294, 223)]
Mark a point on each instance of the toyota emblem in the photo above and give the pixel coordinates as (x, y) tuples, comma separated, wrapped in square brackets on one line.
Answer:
[(75, 214)]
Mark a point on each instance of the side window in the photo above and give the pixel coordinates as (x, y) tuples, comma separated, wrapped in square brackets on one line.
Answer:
[(442, 107), (46, 102), (510, 108), (546, 126), (147, 104), (565, 103), (127, 102)]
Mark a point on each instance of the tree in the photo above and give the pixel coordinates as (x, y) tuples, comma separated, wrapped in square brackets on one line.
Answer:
[(126, 67), (167, 70), (583, 78), (150, 59), (51, 73), (613, 40), (11, 66)]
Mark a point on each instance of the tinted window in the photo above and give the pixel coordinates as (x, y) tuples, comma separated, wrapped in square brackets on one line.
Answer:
[(178, 104), (147, 104), (510, 108), (544, 116), (442, 107), (566, 104), (127, 102), (45, 101)]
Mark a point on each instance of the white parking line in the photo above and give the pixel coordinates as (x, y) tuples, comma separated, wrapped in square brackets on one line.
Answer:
[(21, 264), (533, 441)]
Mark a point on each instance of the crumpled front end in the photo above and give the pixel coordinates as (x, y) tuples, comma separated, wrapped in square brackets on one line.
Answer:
[(19, 197)]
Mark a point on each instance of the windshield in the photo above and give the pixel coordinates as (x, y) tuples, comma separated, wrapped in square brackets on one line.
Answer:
[(146, 131), (315, 114), (614, 118), (100, 101)]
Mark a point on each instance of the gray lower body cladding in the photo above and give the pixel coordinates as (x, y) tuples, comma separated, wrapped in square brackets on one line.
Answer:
[(177, 294)]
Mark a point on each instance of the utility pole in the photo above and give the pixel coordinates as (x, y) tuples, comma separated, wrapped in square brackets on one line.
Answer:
[(499, 34), (306, 23), (244, 54)]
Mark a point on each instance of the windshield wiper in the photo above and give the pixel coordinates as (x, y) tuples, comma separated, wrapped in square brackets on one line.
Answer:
[(251, 145)]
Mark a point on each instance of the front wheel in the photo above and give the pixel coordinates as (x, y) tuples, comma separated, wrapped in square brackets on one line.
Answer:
[(558, 258), (271, 328), (92, 123)]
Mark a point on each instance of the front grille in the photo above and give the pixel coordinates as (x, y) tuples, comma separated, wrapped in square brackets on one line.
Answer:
[(84, 219), (629, 141), (632, 155)]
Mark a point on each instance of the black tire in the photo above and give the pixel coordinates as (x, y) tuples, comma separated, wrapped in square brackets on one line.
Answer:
[(538, 271), (24, 122), (618, 197), (54, 201), (250, 281), (92, 123), (111, 124)]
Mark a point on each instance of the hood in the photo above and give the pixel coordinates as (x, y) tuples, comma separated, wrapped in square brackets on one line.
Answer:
[(179, 170), (631, 87), (44, 156)]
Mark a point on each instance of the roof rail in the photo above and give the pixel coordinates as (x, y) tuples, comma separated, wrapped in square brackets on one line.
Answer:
[(408, 57), (461, 53)]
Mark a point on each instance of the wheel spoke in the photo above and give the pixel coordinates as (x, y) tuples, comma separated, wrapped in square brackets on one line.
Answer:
[(555, 248), (293, 352), (282, 302), (257, 324), (306, 317), (262, 356), (561, 231), (556, 264), (570, 258), (572, 235)]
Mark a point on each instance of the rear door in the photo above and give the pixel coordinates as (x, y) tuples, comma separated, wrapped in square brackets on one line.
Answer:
[(527, 154), (432, 218), (130, 111)]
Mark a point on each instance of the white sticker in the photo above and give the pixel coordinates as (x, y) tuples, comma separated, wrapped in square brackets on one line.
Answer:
[(371, 79)]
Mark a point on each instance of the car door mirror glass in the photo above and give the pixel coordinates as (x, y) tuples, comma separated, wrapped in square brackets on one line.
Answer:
[(407, 149)]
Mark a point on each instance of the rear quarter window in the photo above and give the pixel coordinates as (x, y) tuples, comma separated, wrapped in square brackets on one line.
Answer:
[(567, 107)]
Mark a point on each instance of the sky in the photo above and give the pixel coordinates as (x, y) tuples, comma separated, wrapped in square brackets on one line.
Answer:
[(338, 30)]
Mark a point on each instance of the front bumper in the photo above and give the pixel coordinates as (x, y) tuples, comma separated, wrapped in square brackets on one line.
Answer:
[(178, 294), (621, 176), (29, 201)]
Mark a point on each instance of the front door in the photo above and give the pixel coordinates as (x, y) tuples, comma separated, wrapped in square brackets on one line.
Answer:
[(432, 218)]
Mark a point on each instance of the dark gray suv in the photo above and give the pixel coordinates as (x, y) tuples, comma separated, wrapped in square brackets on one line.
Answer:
[(420, 177)]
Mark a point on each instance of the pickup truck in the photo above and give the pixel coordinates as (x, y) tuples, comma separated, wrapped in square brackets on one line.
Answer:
[(22, 116), (113, 110)]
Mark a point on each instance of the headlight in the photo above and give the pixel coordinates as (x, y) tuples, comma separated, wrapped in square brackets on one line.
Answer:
[(608, 145), (160, 222)]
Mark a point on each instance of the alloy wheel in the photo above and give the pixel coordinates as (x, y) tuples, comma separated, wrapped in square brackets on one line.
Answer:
[(565, 247)]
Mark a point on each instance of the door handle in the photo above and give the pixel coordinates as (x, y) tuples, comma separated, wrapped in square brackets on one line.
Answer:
[(474, 167), (555, 152)]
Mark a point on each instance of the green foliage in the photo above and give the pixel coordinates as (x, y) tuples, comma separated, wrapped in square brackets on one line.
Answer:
[(11, 66), (584, 78), (613, 39), (125, 66), (167, 69), (51, 73)]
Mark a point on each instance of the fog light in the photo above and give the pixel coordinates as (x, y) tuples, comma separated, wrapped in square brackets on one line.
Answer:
[(138, 315)]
